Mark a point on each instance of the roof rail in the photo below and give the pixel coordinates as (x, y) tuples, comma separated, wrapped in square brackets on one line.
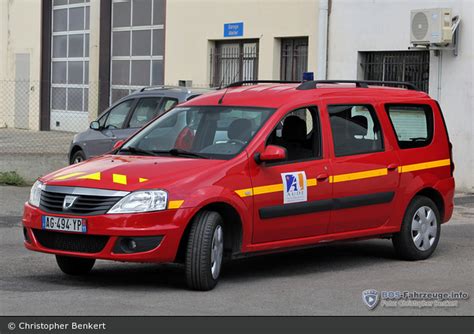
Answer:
[(359, 83), (160, 87), (246, 82)]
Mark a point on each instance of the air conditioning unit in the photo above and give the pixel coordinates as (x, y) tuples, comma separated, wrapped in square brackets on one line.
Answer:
[(431, 26)]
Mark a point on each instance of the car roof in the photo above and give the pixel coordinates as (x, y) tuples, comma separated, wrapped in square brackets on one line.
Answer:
[(274, 95)]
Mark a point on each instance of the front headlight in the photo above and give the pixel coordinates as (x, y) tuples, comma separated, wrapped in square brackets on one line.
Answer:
[(35, 193), (141, 201)]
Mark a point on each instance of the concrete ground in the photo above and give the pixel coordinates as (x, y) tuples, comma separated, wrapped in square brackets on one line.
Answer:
[(27, 141), (327, 280)]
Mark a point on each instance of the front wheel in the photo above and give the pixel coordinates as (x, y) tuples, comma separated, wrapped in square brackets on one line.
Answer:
[(205, 251), (420, 230), (77, 157), (74, 265)]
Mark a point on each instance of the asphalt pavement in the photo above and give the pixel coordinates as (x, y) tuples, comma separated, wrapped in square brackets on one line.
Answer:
[(326, 280)]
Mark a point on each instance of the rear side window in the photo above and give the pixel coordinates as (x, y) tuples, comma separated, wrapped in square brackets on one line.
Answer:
[(167, 105), (145, 111), (413, 124), (355, 129)]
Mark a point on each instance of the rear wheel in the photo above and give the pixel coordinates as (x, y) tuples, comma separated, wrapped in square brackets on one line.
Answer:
[(420, 231), (205, 251), (77, 157), (74, 265)]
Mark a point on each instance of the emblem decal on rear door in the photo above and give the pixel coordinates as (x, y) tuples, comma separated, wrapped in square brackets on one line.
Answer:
[(294, 187)]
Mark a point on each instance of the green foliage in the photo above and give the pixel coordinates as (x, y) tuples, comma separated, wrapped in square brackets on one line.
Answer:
[(12, 178)]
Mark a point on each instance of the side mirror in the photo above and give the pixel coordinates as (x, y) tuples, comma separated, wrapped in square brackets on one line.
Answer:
[(95, 125), (118, 143), (272, 153)]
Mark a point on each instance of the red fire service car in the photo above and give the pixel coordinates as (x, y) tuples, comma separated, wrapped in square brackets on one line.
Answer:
[(258, 167)]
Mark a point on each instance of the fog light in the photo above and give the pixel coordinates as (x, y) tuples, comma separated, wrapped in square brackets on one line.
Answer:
[(129, 245), (132, 244), (26, 236)]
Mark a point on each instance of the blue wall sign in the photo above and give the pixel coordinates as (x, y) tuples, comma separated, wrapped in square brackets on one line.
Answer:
[(233, 29)]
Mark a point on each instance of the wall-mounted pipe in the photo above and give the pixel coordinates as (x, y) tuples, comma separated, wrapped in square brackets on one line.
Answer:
[(322, 39)]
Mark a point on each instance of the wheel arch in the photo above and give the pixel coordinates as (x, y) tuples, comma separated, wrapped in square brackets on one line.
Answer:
[(435, 196), (232, 222), (75, 149)]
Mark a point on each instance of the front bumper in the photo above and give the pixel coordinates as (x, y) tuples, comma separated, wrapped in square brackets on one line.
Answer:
[(167, 224)]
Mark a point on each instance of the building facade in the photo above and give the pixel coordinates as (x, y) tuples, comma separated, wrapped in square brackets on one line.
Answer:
[(213, 43), (20, 66), (64, 61), (76, 57), (369, 39)]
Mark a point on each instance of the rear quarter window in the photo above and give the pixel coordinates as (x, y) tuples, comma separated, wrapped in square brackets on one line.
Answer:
[(413, 124)]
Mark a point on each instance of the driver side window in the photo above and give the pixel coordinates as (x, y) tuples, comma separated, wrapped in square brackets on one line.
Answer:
[(299, 133), (118, 114)]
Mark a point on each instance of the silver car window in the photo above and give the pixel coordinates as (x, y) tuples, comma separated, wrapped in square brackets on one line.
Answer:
[(117, 115), (145, 111)]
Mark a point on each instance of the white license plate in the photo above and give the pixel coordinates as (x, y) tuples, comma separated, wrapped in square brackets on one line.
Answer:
[(64, 224)]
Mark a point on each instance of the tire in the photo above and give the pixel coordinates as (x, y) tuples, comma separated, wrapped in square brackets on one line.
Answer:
[(204, 252), (74, 266), (77, 157), (420, 230)]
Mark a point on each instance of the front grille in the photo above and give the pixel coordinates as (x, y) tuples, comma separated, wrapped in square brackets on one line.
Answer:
[(83, 205), (80, 243)]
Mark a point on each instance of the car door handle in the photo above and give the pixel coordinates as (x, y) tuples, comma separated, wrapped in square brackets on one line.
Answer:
[(392, 166), (322, 176)]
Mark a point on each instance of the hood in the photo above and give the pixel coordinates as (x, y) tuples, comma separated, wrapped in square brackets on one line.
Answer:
[(130, 173)]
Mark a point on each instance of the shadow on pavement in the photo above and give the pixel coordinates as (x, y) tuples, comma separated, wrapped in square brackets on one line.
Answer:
[(153, 277)]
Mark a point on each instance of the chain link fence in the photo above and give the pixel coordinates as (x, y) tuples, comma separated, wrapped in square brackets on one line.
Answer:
[(25, 125), (22, 122), (35, 136)]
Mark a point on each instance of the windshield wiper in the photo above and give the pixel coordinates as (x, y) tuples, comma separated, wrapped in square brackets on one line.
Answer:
[(179, 152), (173, 151), (136, 150)]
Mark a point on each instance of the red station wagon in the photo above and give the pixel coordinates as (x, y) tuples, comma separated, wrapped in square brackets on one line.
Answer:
[(258, 167)]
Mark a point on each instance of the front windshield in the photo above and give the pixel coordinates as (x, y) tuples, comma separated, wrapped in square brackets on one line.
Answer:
[(218, 132)]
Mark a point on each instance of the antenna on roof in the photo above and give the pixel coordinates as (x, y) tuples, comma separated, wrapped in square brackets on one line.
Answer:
[(222, 97), (225, 92)]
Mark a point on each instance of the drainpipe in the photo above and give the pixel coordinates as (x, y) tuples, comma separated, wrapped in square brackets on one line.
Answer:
[(440, 75), (322, 39)]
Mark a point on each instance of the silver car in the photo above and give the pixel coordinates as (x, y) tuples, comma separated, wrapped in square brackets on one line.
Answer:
[(125, 117)]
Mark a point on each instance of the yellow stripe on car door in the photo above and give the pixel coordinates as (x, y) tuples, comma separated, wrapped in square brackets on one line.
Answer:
[(272, 188), (424, 165)]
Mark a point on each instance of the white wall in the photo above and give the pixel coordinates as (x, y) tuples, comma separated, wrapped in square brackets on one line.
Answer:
[(376, 25), (20, 33)]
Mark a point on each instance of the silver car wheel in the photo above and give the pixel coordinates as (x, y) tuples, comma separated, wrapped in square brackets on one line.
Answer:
[(217, 251), (77, 160), (424, 228)]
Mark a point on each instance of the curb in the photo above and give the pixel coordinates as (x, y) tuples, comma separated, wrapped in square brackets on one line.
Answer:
[(462, 200)]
